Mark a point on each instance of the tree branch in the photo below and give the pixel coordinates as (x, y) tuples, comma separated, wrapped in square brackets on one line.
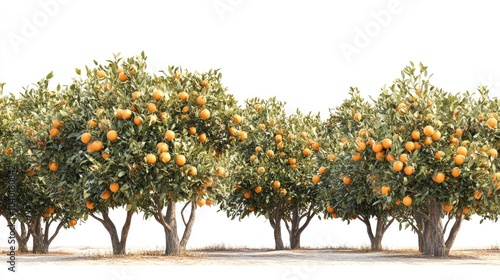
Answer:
[(182, 213), (446, 224), (59, 226)]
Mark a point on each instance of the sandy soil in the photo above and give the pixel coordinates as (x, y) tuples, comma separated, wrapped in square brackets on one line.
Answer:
[(254, 264)]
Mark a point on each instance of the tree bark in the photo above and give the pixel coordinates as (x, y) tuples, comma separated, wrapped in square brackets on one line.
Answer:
[(381, 228), (278, 240), (419, 220), (453, 232), (295, 230), (41, 237), (433, 231), (22, 237), (188, 226), (118, 243)]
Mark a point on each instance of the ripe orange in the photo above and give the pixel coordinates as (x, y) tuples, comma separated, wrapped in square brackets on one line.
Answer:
[(410, 146), (122, 77), (207, 182), (209, 202), (237, 119), (183, 96), (261, 170), (386, 190), (306, 152), (357, 117), (415, 135), (377, 147), (322, 170), (247, 195), (459, 159), (92, 123), (112, 135), (53, 166), (242, 135), (118, 113), (278, 138), (360, 146), (54, 132), (407, 201), (220, 171), (150, 158), (126, 114), (89, 205), (114, 187), (409, 170), (201, 100), (101, 74), (292, 161), (96, 146), (205, 114), (257, 107), (428, 141), (165, 157), (169, 135), (201, 202), (192, 171), (192, 130), (258, 189), (492, 153), (270, 153), (276, 184), (56, 123), (447, 207), (428, 130), (455, 172), (180, 160), (465, 210), (151, 107), (135, 95), (439, 155), (105, 195), (330, 209), (397, 165), (162, 147), (492, 122), (202, 138), (387, 143), (462, 151), (356, 157), (389, 157), (137, 120), (436, 135), (478, 194), (283, 192), (86, 137), (205, 84), (72, 223), (417, 146), (439, 177), (157, 94), (346, 180), (403, 158), (316, 179), (315, 146), (380, 156)]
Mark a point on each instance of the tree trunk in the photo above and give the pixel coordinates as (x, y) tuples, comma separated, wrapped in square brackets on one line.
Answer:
[(453, 233), (419, 220), (278, 240), (188, 225), (41, 237), (172, 245), (295, 230), (23, 237), (382, 226), (434, 243), (118, 243)]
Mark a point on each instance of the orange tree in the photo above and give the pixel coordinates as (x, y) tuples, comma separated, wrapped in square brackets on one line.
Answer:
[(276, 172), (352, 190), (449, 143), (41, 149), (153, 142)]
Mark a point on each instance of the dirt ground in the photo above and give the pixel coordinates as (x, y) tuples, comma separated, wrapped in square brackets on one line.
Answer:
[(266, 264)]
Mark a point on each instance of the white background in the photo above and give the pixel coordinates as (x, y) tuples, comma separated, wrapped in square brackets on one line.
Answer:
[(307, 53)]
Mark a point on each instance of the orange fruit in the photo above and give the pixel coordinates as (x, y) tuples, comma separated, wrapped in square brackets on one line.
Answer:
[(183, 96), (447, 207), (237, 119), (270, 153), (192, 171), (459, 159), (356, 157), (436, 135), (151, 107), (276, 184), (439, 155), (205, 114), (462, 151), (157, 94), (54, 132), (407, 201), (114, 187), (89, 205), (150, 158), (258, 189), (192, 130), (137, 120), (465, 210), (257, 107), (126, 114), (459, 132), (162, 147), (409, 170), (105, 195), (439, 177), (377, 147), (380, 155), (403, 158), (101, 74), (56, 123), (261, 170), (53, 166), (322, 170), (122, 77), (86, 137), (112, 135), (330, 209), (283, 192), (92, 123), (292, 161), (180, 160), (360, 146), (428, 141), (397, 165), (428, 130), (165, 157), (169, 135), (201, 100), (202, 138), (415, 135), (410, 146), (306, 152), (455, 172), (387, 143), (492, 122), (417, 146), (315, 146), (492, 153), (201, 202), (220, 171), (386, 190), (247, 195), (96, 146), (346, 180), (357, 117), (316, 179), (278, 138), (105, 155), (478, 194), (389, 157), (72, 223), (258, 149), (136, 95)]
